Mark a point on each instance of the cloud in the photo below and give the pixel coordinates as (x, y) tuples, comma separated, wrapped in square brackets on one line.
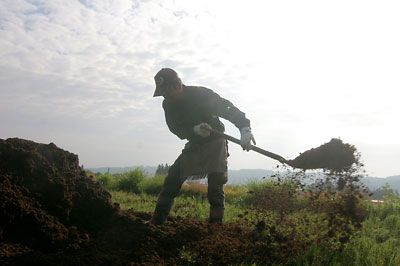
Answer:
[(100, 41), (96, 59), (76, 68)]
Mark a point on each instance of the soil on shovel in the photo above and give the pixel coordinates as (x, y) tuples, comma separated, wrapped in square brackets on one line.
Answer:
[(53, 213), (334, 156)]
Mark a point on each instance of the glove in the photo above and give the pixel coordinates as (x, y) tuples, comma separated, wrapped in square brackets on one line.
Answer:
[(246, 137), (201, 130)]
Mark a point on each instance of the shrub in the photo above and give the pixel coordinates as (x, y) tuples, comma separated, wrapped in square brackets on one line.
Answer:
[(338, 201), (130, 181), (153, 185), (273, 195), (106, 180), (235, 193)]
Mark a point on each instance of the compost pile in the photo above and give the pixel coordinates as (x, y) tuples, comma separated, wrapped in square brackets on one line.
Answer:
[(334, 156), (53, 213)]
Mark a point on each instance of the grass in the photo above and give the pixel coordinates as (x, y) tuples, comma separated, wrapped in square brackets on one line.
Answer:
[(138, 202), (184, 206), (320, 232), (377, 243)]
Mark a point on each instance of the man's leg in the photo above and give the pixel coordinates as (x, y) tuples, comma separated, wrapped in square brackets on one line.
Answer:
[(171, 188), (216, 196)]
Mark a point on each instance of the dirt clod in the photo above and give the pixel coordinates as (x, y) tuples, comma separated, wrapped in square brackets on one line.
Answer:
[(334, 156)]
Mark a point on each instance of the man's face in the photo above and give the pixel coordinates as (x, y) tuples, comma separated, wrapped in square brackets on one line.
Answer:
[(173, 92)]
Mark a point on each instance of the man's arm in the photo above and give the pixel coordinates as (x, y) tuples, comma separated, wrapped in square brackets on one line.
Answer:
[(225, 109), (216, 105)]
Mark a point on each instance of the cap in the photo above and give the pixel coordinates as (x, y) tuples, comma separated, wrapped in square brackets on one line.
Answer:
[(164, 77)]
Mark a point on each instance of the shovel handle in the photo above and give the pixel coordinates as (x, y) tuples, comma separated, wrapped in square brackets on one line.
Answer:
[(252, 147)]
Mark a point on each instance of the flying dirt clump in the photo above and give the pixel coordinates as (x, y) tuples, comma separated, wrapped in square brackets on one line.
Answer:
[(334, 156)]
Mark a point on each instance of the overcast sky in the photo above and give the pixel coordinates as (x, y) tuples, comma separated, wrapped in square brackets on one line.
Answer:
[(80, 74)]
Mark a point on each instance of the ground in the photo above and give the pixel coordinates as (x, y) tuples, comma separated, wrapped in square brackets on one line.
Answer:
[(52, 212)]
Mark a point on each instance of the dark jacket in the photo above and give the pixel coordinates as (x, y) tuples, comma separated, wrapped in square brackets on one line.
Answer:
[(200, 105)]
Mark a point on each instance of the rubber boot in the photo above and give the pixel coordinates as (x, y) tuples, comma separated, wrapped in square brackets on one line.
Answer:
[(216, 215), (162, 210), (215, 222)]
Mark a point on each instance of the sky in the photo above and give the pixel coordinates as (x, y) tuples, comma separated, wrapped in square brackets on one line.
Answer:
[(80, 74)]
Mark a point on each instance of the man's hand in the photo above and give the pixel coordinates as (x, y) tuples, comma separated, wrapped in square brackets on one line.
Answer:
[(246, 137), (203, 130)]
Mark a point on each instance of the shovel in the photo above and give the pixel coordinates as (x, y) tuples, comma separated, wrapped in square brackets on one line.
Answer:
[(334, 155), (252, 147)]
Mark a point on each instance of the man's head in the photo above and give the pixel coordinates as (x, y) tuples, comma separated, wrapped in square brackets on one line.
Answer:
[(168, 83)]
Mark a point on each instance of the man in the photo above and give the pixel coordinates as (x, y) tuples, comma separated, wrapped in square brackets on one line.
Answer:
[(190, 113)]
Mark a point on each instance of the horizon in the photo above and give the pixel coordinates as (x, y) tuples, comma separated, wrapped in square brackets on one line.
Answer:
[(143, 167), (80, 74)]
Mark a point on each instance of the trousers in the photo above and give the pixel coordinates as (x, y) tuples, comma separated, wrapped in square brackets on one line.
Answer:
[(172, 186)]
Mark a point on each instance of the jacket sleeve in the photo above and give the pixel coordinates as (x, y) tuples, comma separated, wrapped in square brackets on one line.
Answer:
[(218, 106)]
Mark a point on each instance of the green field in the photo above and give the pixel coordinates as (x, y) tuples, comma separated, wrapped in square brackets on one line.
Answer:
[(322, 227)]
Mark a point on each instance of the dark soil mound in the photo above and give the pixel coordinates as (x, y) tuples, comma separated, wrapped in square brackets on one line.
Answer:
[(47, 202), (52, 213), (335, 156)]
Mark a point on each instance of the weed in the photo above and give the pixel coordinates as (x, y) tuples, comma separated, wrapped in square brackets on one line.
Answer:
[(131, 180), (152, 185)]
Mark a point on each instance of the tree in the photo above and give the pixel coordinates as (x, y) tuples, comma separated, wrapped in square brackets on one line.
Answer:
[(162, 169)]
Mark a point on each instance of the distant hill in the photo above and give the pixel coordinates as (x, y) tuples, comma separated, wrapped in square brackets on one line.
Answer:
[(374, 183), (243, 176)]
